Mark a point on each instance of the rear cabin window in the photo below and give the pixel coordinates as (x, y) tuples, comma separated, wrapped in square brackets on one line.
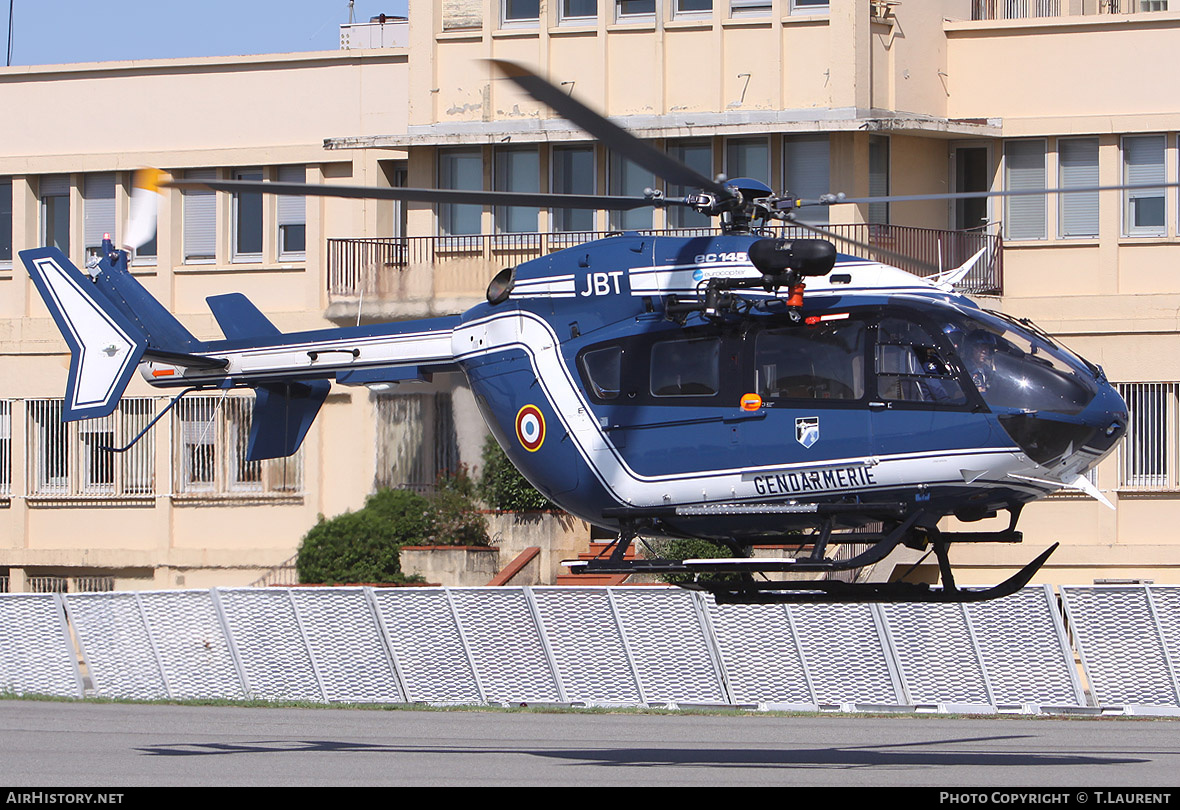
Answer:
[(686, 368), (910, 368), (813, 362), (603, 370)]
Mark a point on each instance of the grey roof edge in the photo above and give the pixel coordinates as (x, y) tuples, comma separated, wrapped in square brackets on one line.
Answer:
[(677, 125)]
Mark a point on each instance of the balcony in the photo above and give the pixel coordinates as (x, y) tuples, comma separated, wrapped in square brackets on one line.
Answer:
[(423, 268), (1027, 9)]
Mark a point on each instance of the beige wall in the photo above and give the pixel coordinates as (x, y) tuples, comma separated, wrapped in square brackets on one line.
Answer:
[(1063, 76), (234, 112)]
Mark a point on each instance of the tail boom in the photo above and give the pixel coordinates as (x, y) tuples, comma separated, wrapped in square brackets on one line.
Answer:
[(112, 325)]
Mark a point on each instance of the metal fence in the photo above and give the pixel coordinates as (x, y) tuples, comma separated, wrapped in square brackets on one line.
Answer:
[(369, 267), (649, 646)]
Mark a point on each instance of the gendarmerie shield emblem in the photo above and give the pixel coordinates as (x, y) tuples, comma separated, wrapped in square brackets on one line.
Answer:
[(807, 430)]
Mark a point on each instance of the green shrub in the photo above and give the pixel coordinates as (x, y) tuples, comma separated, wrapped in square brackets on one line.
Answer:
[(353, 547), (364, 546), (456, 519), (689, 549), (409, 514), (502, 486)]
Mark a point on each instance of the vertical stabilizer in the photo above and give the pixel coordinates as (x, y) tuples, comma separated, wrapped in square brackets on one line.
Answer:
[(283, 413), (105, 345), (123, 292)]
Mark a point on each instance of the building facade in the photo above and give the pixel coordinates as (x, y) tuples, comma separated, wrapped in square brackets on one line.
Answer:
[(868, 98)]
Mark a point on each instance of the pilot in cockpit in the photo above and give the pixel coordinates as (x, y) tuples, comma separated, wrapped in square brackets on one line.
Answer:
[(979, 356)]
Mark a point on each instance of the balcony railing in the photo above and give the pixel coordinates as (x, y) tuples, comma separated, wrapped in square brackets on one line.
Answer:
[(364, 268), (1024, 9)]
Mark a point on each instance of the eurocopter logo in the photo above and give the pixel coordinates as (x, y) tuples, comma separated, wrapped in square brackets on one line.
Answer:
[(807, 430)]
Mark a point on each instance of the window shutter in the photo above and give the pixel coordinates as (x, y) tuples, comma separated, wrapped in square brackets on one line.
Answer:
[(878, 213), (200, 218), (1143, 162), (1077, 160), (1024, 169), (807, 164), (55, 185), (98, 207), (292, 210)]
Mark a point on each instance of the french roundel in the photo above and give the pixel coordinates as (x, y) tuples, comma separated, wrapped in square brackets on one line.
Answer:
[(530, 428)]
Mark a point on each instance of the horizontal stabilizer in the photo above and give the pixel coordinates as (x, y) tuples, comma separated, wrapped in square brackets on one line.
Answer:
[(238, 318), (283, 413), (105, 345)]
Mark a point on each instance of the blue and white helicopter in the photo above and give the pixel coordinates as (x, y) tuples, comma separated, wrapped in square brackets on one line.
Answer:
[(739, 388)]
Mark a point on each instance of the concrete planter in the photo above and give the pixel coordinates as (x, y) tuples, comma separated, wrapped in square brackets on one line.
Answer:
[(558, 535), (455, 566)]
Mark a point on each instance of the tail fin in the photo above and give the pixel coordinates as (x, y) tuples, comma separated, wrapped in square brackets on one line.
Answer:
[(115, 283), (283, 413), (239, 318), (105, 344)]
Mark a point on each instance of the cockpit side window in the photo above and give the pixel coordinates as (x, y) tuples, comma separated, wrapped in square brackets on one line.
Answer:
[(603, 371), (910, 367), (686, 368), (813, 362)]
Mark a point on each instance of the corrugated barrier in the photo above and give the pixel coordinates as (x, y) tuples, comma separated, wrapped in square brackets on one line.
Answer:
[(623, 646)]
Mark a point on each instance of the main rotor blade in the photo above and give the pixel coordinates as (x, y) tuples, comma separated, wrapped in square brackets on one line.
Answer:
[(432, 195), (971, 195), (613, 136)]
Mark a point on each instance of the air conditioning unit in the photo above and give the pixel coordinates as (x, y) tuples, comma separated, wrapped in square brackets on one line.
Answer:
[(383, 31)]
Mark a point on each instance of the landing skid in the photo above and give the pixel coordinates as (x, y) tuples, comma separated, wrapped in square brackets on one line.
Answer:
[(754, 592), (732, 580)]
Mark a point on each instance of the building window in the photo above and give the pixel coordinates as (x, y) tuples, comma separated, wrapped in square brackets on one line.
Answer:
[(247, 219), (98, 211), (200, 219), (1077, 166), (519, 12), (578, 11), (879, 184), (809, 6), (460, 169), (698, 156), (628, 179), (1144, 208), (416, 440), (292, 216), (749, 8), (1024, 170), (748, 157), (6, 222), (806, 163), (74, 460), (5, 449), (1147, 456), (573, 173), (210, 441), (55, 212), (516, 170), (635, 10), (692, 8)]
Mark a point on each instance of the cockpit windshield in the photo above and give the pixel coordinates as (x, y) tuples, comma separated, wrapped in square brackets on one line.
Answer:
[(1014, 368)]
